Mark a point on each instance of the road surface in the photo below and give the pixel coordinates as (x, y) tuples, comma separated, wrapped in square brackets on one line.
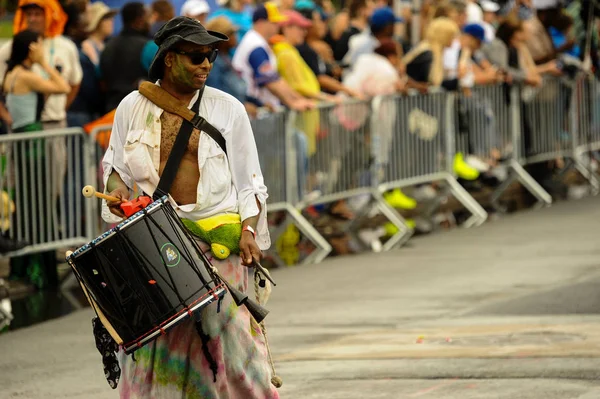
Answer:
[(506, 310)]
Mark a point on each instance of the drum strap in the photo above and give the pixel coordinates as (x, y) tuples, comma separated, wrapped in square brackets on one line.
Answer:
[(191, 120)]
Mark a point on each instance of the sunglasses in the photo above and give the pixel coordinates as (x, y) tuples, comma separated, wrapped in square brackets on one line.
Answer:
[(198, 58)]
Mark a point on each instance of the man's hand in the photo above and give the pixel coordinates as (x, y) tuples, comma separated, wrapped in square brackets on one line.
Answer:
[(249, 249), (115, 206)]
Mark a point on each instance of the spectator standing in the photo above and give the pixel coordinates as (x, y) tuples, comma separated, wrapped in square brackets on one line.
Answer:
[(457, 11), (474, 12), (255, 59), (359, 12), (25, 91), (290, 64), (236, 11), (473, 61), (425, 64), (99, 29), (196, 9), (510, 53), (490, 18), (223, 75), (162, 12), (381, 26), (311, 50), (121, 62), (89, 103), (377, 74), (47, 18), (562, 34)]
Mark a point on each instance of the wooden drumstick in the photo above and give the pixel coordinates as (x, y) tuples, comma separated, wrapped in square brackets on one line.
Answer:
[(90, 191), (111, 330)]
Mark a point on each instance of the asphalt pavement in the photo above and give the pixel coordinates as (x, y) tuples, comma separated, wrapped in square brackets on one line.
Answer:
[(507, 310)]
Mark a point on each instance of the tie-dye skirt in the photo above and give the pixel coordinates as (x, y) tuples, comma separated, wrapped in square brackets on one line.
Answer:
[(174, 366)]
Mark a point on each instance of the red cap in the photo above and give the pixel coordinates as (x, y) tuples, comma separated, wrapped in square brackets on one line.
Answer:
[(294, 18)]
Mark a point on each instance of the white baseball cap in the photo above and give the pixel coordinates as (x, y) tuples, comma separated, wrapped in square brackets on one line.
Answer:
[(193, 8), (489, 6)]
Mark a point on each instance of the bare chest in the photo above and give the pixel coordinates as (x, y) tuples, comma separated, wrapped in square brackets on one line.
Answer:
[(170, 125)]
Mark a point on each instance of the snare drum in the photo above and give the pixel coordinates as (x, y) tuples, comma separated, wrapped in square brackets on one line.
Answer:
[(145, 275)]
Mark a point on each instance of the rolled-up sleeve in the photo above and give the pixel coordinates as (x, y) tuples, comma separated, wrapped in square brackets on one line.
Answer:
[(113, 158), (247, 177)]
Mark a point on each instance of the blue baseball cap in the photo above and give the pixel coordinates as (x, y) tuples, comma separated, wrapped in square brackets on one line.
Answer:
[(382, 17), (476, 31)]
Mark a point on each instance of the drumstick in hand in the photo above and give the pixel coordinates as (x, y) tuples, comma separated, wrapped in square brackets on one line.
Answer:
[(264, 271), (90, 191)]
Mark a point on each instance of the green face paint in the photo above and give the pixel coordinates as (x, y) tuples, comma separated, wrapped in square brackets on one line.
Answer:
[(181, 74)]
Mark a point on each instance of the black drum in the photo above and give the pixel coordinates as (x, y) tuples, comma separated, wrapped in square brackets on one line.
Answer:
[(145, 275)]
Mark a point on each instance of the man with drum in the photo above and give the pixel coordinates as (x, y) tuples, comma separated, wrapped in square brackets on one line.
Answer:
[(211, 183)]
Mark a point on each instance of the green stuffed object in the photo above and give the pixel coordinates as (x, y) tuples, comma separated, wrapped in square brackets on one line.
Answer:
[(221, 232)]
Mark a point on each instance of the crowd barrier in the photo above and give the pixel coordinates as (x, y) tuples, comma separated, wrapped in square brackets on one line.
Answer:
[(40, 185), (338, 163), (332, 153), (278, 146), (416, 145)]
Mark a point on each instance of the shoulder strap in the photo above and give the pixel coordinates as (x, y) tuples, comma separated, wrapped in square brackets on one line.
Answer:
[(177, 152), (167, 102)]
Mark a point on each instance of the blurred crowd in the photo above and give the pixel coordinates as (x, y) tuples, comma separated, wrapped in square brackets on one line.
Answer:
[(67, 65)]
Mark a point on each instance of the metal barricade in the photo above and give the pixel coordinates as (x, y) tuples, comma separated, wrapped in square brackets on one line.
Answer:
[(340, 163), (489, 127), (484, 127), (546, 129), (41, 178), (553, 119), (278, 143), (417, 145), (586, 127)]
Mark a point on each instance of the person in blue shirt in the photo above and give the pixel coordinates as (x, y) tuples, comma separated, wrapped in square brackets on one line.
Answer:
[(237, 12), (560, 31)]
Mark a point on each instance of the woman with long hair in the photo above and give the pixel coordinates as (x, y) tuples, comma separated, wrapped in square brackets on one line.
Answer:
[(425, 63), (509, 52), (25, 91)]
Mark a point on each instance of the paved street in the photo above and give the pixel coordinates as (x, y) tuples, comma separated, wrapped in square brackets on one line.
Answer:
[(508, 310)]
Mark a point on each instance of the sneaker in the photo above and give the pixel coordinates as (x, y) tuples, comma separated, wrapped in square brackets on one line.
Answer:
[(397, 199), (464, 170), (391, 229)]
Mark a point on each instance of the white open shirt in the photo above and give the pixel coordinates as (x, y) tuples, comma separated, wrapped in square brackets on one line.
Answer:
[(228, 183)]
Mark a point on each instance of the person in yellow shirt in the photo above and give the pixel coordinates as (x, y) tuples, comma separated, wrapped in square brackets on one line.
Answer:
[(290, 64), (293, 69)]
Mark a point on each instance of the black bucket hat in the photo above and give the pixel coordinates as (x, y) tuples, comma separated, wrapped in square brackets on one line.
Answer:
[(177, 30)]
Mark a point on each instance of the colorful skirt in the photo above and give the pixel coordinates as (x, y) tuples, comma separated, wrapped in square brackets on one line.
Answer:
[(175, 365)]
